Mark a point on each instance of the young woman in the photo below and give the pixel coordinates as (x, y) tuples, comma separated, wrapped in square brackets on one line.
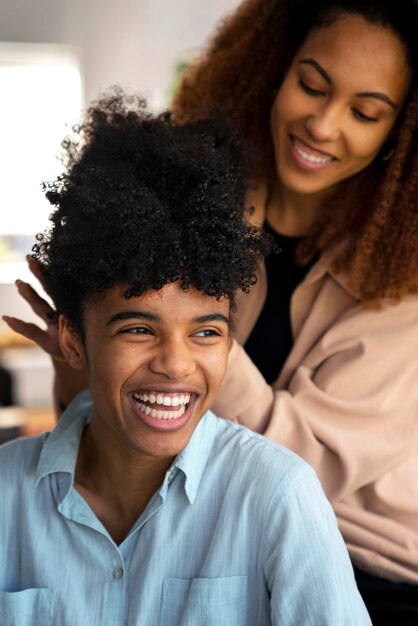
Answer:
[(328, 93), (325, 358)]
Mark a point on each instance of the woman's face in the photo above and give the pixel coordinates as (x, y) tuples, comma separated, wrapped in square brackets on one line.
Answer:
[(338, 103)]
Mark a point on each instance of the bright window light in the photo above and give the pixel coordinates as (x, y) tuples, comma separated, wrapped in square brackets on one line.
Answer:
[(41, 100)]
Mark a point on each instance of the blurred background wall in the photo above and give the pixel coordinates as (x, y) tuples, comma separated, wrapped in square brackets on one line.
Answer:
[(134, 42), (55, 56)]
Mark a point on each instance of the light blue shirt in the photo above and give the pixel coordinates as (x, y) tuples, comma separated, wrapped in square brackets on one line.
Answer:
[(239, 534)]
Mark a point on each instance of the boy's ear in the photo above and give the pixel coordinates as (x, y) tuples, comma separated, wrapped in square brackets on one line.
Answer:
[(71, 345)]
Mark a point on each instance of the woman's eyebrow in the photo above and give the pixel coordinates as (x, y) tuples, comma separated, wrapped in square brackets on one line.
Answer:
[(318, 68), (379, 96), (364, 94)]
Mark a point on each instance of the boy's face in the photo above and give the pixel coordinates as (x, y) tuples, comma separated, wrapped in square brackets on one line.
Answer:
[(155, 363)]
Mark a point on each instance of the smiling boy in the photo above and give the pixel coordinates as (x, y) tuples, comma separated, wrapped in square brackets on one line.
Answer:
[(141, 507)]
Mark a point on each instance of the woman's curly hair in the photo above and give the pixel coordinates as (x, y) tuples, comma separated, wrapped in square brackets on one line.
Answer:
[(145, 202), (376, 211)]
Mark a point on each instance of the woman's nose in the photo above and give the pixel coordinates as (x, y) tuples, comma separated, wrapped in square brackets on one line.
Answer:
[(324, 124)]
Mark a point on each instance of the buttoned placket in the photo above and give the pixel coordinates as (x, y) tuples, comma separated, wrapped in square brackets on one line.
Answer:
[(116, 584)]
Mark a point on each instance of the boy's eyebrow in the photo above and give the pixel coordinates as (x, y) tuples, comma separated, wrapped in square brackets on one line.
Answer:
[(364, 94), (212, 317), (135, 315), (146, 315)]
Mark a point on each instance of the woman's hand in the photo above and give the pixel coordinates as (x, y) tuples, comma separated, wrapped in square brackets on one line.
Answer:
[(46, 339), (68, 382)]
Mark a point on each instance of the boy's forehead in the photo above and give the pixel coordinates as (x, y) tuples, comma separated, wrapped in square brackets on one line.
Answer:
[(169, 302)]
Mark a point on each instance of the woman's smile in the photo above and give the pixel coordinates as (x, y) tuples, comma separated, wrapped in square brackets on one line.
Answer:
[(336, 107), (306, 157)]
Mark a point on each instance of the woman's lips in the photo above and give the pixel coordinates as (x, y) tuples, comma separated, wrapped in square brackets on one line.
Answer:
[(308, 158)]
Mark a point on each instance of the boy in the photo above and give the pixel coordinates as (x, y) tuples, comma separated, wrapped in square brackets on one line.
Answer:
[(141, 507)]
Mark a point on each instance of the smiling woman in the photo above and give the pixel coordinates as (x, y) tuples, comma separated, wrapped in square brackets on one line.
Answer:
[(327, 94), (327, 90), (335, 108)]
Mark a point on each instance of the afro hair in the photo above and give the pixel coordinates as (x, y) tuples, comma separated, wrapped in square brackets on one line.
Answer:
[(144, 202)]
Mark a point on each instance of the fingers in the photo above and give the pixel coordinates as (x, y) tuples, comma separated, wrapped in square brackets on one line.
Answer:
[(48, 342), (30, 331), (37, 304), (36, 268)]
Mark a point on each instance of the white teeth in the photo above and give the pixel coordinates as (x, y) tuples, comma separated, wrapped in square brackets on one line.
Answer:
[(163, 400), (309, 157), (160, 413)]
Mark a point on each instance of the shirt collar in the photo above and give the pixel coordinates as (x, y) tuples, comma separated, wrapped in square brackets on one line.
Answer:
[(193, 459), (60, 450)]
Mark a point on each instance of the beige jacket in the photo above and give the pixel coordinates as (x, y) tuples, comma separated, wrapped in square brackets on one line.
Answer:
[(347, 402)]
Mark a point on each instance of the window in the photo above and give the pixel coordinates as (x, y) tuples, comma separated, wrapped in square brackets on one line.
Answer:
[(41, 100)]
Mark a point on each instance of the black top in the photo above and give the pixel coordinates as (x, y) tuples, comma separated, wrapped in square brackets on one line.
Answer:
[(271, 339)]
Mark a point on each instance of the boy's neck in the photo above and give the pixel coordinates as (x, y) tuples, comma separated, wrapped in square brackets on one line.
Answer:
[(116, 485)]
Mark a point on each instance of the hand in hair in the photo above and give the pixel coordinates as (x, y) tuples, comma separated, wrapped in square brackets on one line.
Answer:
[(47, 338)]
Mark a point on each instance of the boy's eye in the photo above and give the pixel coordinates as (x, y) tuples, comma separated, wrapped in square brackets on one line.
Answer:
[(316, 93), (207, 332), (364, 118), (137, 330)]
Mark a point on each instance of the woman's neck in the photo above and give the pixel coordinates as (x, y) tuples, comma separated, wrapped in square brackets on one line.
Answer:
[(291, 213)]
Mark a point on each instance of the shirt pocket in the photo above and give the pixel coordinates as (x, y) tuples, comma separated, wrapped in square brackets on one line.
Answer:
[(205, 601), (31, 607)]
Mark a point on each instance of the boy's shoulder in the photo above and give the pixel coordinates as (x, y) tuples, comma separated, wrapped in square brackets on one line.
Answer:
[(260, 458), (20, 457)]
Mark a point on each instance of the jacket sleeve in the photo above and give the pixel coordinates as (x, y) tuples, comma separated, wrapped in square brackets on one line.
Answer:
[(350, 408)]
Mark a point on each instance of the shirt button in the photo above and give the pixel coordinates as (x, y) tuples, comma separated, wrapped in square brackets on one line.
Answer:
[(117, 573), (170, 477)]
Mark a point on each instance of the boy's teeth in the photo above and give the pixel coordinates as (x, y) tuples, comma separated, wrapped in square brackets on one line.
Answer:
[(162, 399), (161, 414)]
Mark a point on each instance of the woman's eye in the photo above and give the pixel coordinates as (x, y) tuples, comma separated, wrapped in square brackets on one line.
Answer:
[(364, 118), (316, 93)]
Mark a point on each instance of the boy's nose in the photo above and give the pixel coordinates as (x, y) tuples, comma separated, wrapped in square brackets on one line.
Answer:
[(174, 360)]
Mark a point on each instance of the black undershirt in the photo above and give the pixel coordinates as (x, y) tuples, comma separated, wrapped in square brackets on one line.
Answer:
[(271, 339)]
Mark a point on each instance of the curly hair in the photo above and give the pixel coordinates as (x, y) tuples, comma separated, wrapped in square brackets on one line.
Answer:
[(145, 202), (376, 211)]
